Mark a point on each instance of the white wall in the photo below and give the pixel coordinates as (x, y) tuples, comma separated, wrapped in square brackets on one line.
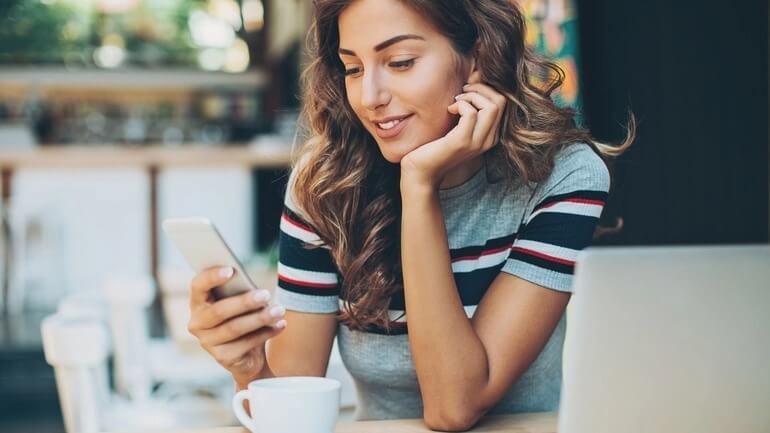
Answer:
[(72, 229)]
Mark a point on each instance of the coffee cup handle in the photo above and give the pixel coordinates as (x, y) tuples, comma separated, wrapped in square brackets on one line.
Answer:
[(240, 412)]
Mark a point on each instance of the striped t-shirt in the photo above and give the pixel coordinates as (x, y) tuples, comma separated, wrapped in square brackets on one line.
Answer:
[(532, 231)]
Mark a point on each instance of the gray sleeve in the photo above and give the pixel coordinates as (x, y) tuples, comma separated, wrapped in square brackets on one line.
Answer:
[(562, 220), (308, 279)]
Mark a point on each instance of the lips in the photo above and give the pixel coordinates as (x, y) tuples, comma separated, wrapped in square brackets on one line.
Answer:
[(391, 129)]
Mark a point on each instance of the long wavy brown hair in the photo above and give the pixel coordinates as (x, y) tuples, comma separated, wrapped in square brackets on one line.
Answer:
[(350, 194)]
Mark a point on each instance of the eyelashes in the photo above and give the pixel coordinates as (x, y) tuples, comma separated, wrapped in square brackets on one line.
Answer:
[(400, 65)]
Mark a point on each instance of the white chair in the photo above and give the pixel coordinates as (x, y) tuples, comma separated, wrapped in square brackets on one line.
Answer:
[(77, 349), (129, 299)]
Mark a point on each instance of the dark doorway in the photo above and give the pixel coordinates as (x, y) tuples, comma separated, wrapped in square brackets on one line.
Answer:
[(696, 76)]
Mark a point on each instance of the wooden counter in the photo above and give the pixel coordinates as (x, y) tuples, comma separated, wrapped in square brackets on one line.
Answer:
[(525, 423)]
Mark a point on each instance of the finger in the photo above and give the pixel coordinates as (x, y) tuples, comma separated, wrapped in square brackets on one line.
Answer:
[(478, 100), (488, 118), (205, 281), (496, 97), (242, 325), (230, 354), (468, 115), (213, 315), (488, 92)]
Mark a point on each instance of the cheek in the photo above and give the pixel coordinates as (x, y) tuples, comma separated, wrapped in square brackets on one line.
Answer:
[(435, 102), (437, 89)]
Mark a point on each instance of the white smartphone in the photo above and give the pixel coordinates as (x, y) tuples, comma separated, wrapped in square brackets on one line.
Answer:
[(203, 247)]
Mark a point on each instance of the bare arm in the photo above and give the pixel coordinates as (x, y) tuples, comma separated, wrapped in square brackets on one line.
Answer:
[(303, 348), (465, 366)]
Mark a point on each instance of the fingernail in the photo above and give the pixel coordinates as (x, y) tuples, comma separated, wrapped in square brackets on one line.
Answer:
[(262, 295), (280, 324), (277, 311), (458, 96), (226, 272)]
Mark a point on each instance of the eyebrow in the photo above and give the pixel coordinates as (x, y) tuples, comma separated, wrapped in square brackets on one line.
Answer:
[(385, 44)]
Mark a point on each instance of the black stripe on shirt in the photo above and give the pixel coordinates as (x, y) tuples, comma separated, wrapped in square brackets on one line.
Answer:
[(472, 286), (560, 229), (296, 254)]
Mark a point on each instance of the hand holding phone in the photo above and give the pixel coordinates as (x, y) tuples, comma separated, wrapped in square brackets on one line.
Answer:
[(234, 326)]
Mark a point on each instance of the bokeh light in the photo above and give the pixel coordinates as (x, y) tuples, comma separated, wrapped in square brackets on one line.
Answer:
[(226, 10), (211, 59), (209, 31), (253, 15), (237, 57)]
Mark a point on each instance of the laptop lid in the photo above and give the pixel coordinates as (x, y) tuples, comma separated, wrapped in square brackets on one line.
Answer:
[(668, 339)]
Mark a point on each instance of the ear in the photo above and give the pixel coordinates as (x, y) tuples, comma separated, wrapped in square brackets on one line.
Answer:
[(474, 76)]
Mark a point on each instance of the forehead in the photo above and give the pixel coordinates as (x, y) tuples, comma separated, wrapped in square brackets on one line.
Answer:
[(365, 23)]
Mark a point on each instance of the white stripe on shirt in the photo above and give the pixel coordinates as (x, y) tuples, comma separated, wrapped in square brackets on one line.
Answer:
[(482, 262), (307, 276), (586, 209), (548, 249)]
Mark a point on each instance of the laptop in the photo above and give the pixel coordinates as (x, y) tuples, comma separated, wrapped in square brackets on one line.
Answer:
[(668, 339)]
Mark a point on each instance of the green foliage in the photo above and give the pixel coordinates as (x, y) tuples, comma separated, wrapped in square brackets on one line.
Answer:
[(155, 32), (32, 32)]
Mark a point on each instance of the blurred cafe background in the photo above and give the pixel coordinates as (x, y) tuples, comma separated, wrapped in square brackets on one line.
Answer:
[(116, 114)]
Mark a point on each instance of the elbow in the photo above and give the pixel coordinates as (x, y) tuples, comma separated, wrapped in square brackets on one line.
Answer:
[(451, 419)]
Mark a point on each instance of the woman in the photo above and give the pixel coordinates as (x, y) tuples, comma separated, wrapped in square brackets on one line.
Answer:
[(439, 182)]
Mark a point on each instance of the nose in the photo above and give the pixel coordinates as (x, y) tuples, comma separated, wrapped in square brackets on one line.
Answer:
[(374, 92)]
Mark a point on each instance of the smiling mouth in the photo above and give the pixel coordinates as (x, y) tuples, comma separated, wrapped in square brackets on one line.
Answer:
[(389, 125), (391, 128)]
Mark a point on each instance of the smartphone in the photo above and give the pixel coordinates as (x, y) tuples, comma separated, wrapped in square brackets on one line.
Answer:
[(203, 247)]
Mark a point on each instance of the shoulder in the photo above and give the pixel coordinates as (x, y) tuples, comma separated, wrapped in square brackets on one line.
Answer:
[(578, 167)]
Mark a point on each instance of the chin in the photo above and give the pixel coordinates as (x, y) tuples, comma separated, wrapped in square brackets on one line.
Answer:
[(394, 152), (394, 158)]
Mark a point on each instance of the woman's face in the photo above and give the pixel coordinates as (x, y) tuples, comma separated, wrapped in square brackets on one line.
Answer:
[(401, 75)]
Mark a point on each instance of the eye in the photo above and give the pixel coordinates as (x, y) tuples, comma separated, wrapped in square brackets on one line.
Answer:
[(352, 71), (402, 64)]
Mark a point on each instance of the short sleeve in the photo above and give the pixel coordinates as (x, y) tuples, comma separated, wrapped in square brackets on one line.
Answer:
[(562, 221), (308, 280)]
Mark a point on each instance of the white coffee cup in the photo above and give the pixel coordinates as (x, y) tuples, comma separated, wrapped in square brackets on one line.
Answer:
[(289, 405)]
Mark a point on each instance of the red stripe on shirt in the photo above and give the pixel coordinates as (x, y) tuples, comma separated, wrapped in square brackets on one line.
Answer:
[(307, 283), (483, 253), (572, 200), (585, 201), (297, 223), (544, 256)]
